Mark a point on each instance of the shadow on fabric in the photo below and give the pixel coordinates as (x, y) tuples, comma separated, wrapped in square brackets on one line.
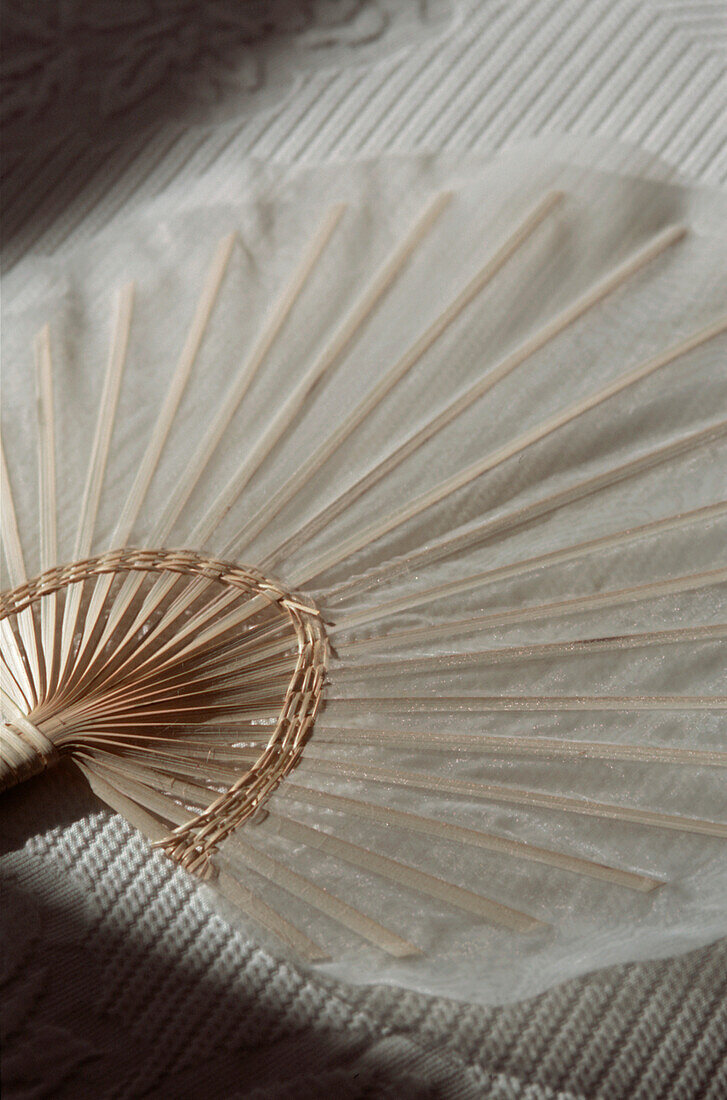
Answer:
[(103, 994), (94, 93)]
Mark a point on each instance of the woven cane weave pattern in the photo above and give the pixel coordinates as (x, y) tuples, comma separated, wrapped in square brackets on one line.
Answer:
[(24, 748)]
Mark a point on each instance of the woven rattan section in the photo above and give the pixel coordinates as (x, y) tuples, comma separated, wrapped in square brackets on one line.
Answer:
[(25, 748)]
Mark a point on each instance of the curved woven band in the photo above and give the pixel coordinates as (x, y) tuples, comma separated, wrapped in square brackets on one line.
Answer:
[(191, 843)]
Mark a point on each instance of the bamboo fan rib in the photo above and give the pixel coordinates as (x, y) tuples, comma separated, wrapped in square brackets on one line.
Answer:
[(83, 721), (412, 642)]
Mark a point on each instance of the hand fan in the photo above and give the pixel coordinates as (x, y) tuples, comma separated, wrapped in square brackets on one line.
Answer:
[(371, 560)]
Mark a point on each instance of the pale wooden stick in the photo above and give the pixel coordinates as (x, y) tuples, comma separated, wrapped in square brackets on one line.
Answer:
[(226, 411), (164, 779), (526, 565), (515, 654), (253, 361), (229, 661), (172, 650), (465, 477), (181, 686), (193, 624), (240, 896), (155, 446), (32, 737), (208, 744), (229, 887), (459, 834), (15, 657), (16, 652), (394, 375), (167, 768), (47, 498), (133, 692), (136, 709), (12, 546), (201, 638), (532, 702), (136, 723), (613, 597), (135, 647), (182, 603), (517, 745), (248, 654), (153, 599), (336, 348), (405, 875), (264, 914), (46, 450), (117, 715), (170, 714), (205, 675), (254, 606), (98, 461), (148, 825), (519, 796), (129, 649), (491, 377), (198, 749), (229, 405), (516, 519), (322, 900), (141, 794), (177, 386), (105, 422), (13, 673), (26, 645)]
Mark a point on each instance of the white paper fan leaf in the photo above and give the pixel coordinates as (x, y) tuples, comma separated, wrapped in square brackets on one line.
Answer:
[(382, 584)]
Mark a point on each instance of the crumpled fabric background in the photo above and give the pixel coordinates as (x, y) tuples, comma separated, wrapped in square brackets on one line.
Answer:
[(118, 981)]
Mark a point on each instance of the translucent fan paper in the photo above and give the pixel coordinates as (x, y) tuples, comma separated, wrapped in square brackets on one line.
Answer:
[(517, 547)]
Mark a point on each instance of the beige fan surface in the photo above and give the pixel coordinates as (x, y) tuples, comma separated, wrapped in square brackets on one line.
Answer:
[(367, 553)]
